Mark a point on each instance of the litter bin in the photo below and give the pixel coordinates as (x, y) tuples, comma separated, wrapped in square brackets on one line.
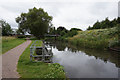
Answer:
[(39, 50)]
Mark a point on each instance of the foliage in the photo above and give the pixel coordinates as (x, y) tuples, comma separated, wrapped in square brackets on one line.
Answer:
[(96, 39), (21, 36), (63, 32), (35, 22), (52, 30), (6, 28), (72, 32), (10, 42), (28, 69), (0, 31), (76, 29), (54, 69), (116, 41), (118, 30), (105, 24)]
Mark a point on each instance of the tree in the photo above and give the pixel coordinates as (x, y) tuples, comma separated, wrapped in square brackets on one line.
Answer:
[(71, 33), (52, 30), (113, 22), (89, 28), (6, 28), (0, 31), (105, 24), (61, 30), (35, 22), (97, 25), (118, 20), (76, 29)]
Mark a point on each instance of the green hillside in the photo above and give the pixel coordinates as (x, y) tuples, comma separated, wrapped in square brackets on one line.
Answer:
[(98, 38)]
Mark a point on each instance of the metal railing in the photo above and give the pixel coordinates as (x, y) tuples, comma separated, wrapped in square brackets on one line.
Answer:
[(46, 55)]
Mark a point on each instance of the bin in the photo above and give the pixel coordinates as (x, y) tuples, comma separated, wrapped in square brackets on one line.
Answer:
[(39, 50)]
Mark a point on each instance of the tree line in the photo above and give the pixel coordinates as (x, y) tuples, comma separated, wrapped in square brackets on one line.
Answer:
[(62, 31), (6, 28), (38, 23), (105, 24)]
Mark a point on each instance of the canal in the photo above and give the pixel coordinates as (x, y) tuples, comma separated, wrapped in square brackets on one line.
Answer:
[(79, 62)]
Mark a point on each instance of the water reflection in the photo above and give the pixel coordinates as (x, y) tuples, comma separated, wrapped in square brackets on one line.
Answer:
[(84, 63)]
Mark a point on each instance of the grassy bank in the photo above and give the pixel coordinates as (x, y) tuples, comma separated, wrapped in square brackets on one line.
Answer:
[(10, 42), (28, 69), (97, 39)]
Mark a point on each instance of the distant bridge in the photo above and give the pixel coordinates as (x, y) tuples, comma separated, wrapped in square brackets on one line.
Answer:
[(55, 36), (48, 35)]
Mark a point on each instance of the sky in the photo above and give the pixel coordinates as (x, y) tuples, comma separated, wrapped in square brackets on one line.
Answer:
[(119, 9), (67, 13)]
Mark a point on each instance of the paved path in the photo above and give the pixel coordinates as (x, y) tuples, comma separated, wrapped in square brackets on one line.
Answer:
[(10, 60)]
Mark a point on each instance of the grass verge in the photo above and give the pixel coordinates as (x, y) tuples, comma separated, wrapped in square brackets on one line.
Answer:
[(10, 42), (28, 69)]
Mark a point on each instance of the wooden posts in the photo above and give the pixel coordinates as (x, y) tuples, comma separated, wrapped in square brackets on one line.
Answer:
[(39, 53)]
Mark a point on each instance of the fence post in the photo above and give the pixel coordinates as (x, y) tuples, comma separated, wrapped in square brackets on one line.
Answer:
[(30, 53)]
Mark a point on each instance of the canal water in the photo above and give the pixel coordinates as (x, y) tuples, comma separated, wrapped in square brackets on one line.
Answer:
[(85, 63)]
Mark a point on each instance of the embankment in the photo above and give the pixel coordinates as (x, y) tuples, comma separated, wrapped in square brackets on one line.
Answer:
[(102, 39)]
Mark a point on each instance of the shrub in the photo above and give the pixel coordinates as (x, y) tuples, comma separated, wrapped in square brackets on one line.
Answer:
[(97, 39), (21, 36)]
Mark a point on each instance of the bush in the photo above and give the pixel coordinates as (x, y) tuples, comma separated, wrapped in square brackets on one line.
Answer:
[(21, 36)]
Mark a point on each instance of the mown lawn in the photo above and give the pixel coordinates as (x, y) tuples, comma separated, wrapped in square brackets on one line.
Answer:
[(28, 69), (10, 42), (97, 39)]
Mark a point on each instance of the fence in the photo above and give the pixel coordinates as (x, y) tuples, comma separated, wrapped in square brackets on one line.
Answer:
[(40, 53)]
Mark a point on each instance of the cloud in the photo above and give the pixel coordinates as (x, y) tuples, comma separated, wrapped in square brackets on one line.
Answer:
[(83, 14), (119, 9), (10, 10), (77, 13)]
